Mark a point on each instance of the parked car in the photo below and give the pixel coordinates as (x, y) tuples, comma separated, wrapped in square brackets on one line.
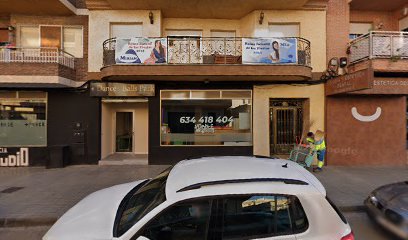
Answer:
[(210, 198), (388, 206)]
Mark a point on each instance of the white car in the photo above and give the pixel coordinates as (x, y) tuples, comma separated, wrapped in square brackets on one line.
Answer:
[(210, 198)]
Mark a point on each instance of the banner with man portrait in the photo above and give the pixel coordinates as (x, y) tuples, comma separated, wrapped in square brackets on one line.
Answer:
[(141, 51), (269, 51)]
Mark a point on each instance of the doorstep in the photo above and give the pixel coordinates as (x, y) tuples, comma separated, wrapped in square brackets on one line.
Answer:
[(118, 159)]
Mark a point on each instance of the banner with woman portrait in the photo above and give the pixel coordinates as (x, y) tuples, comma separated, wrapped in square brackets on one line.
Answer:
[(141, 51), (269, 50)]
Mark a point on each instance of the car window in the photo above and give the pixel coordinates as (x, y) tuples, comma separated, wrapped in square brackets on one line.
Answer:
[(183, 221), (258, 216), (142, 202)]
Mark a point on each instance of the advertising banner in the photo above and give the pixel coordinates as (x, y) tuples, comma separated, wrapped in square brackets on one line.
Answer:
[(141, 50), (269, 50)]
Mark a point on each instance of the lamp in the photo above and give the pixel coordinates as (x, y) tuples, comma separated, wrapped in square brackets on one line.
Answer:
[(151, 17), (261, 17), (11, 28)]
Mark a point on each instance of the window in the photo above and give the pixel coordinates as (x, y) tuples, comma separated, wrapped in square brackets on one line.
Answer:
[(403, 24), (359, 29), (73, 42), (206, 117), (188, 220), (141, 202), (283, 30), (126, 30), (23, 119), (29, 37), (258, 216)]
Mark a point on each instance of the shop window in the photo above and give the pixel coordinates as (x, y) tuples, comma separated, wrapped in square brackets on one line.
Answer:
[(23, 119), (206, 117)]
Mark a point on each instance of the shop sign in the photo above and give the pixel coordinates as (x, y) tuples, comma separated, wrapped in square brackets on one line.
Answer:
[(269, 50), (14, 157), (141, 50), (351, 82), (109, 89)]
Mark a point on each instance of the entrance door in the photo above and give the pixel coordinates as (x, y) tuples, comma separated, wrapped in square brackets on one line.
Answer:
[(286, 125), (124, 132)]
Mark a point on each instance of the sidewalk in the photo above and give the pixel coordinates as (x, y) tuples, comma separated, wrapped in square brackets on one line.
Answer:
[(46, 194)]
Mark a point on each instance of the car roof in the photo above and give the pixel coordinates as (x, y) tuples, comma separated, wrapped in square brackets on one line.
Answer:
[(196, 173)]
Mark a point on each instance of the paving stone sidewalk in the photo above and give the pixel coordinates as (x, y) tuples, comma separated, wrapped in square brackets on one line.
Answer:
[(47, 193)]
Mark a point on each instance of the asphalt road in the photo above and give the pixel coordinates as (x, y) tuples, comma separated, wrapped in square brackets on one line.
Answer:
[(363, 228)]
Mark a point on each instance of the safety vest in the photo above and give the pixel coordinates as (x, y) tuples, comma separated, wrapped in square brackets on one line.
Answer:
[(320, 145), (310, 140)]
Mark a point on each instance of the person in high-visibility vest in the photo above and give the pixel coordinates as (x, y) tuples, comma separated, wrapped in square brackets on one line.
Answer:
[(320, 147)]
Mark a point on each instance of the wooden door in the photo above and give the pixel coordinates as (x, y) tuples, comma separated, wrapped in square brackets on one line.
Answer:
[(51, 36)]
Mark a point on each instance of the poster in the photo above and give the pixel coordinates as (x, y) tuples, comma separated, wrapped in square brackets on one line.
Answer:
[(269, 50), (141, 50)]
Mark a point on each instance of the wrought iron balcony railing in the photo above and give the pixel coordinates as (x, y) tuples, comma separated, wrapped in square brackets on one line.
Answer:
[(201, 50), (36, 55), (392, 45)]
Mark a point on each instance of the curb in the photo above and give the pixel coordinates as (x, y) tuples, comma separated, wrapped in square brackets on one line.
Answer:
[(27, 222)]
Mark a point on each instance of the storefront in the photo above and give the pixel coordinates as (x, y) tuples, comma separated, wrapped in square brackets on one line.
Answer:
[(32, 121), (366, 116)]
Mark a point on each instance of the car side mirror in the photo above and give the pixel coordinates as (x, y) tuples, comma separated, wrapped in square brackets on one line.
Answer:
[(142, 238)]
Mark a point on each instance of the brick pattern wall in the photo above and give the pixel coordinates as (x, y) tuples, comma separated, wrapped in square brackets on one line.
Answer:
[(389, 20), (338, 16), (81, 64), (37, 69), (4, 20)]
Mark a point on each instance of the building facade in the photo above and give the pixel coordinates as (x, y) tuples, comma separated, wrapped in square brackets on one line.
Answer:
[(113, 81), (209, 97), (366, 117)]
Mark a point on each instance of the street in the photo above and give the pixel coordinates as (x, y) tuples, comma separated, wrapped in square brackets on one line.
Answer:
[(41, 196)]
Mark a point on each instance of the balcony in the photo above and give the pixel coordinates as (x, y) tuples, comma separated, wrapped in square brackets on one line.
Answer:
[(385, 52), (209, 59), (36, 66)]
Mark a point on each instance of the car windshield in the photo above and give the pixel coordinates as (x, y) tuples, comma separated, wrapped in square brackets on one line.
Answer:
[(142, 202)]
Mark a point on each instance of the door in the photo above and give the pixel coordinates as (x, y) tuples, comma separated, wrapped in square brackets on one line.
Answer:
[(51, 36), (124, 132), (286, 125)]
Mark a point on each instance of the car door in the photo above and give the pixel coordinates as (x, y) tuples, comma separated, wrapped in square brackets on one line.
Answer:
[(186, 220), (246, 217)]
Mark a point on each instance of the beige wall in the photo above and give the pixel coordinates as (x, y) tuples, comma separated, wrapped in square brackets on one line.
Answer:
[(262, 94), (99, 27), (140, 126), (312, 28), (205, 25)]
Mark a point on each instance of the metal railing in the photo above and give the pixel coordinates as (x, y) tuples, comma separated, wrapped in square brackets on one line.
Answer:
[(203, 50), (36, 55), (376, 44)]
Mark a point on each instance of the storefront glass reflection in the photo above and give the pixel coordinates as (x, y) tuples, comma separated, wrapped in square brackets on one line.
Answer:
[(214, 117), (22, 120)]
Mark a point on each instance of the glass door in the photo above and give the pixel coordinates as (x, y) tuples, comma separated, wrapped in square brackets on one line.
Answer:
[(124, 132)]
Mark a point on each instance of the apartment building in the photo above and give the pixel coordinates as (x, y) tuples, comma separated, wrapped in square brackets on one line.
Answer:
[(157, 82), (367, 108), (44, 108), (186, 79)]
